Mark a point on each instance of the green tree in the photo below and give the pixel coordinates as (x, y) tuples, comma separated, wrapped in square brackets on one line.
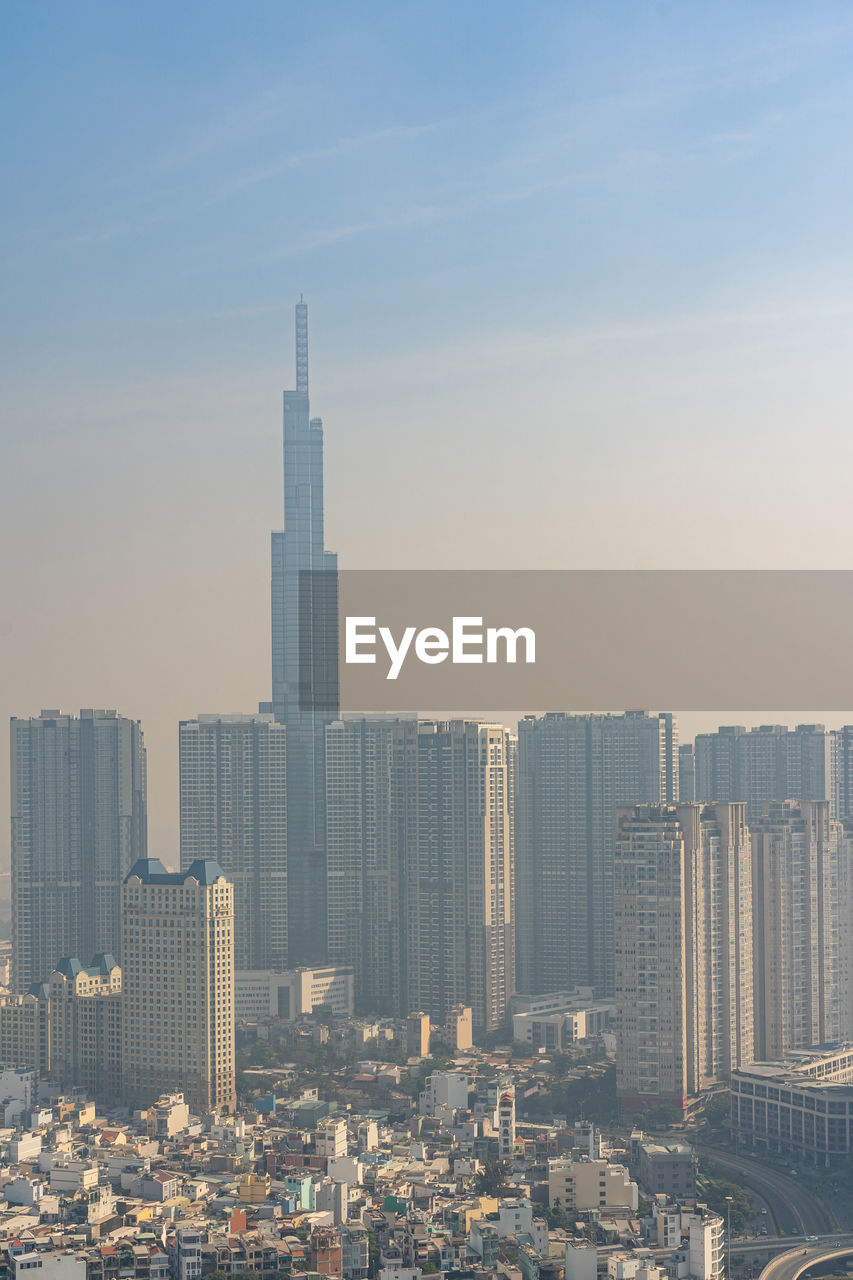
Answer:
[(492, 1178), (718, 1109), (716, 1196)]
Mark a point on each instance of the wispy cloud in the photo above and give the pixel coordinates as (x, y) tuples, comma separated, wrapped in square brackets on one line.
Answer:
[(339, 149)]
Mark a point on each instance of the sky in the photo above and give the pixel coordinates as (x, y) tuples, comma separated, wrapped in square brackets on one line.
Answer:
[(579, 286)]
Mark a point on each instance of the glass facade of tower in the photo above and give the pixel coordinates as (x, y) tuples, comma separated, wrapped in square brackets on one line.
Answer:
[(304, 659)]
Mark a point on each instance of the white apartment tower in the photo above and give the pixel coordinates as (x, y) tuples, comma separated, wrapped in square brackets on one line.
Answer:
[(684, 958), (178, 984), (233, 807), (78, 826), (799, 929)]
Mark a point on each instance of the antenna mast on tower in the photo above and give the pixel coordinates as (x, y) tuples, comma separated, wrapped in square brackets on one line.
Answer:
[(302, 346)]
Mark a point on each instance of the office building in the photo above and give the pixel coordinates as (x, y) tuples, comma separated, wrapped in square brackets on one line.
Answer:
[(684, 961), (304, 597), (800, 1104), (796, 852), (78, 825), (233, 809), (260, 994), (573, 771), (178, 982)]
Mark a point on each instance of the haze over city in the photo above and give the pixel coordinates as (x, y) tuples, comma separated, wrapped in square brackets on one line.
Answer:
[(579, 298), (314, 961)]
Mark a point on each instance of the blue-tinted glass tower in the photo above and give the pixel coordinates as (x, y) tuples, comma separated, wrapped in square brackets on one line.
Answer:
[(304, 659)]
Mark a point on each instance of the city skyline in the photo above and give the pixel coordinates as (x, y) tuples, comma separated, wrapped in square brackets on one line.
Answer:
[(476, 255)]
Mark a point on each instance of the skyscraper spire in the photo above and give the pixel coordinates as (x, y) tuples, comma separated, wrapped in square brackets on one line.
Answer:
[(302, 347), (304, 659)]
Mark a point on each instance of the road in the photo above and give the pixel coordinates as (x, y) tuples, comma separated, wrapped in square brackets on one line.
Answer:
[(795, 1209), (793, 1263)]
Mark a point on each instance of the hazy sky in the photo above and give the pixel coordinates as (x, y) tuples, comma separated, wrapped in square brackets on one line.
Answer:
[(579, 278)]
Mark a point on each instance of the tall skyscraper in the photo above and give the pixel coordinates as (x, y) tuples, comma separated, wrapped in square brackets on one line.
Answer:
[(178, 985), (769, 762), (573, 772), (364, 882), (304, 658), (799, 934), (78, 825), (233, 811), (452, 834), (420, 856), (683, 942)]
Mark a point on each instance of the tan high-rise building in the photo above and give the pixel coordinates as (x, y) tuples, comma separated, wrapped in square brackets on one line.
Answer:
[(86, 1025), (69, 1026), (178, 970), (684, 962), (796, 850), (25, 1029)]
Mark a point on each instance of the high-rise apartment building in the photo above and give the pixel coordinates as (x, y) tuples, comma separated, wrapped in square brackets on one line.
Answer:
[(363, 868), (25, 1029), (842, 773), (178, 983), (234, 811), (420, 850), (573, 772), (304, 659), (68, 1027), (796, 853), (683, 944), (452, 837), (769, 762), (86, 1025), (686, 773), (78, 825)]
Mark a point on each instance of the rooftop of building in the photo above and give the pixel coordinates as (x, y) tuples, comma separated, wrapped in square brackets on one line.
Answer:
[(152, 871)]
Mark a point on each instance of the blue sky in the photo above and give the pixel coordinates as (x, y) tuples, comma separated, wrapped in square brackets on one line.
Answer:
[(579, 278)]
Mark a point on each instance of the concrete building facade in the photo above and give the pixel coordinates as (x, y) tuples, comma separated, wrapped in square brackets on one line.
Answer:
[(178, 974)]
